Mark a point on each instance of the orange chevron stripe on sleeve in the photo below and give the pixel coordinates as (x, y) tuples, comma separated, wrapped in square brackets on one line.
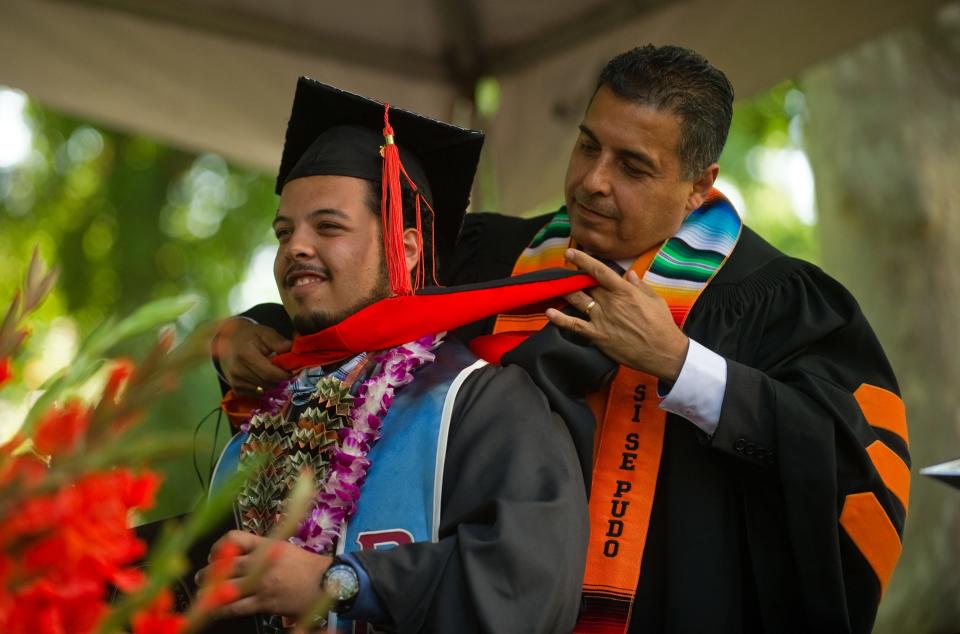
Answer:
[(892, 469), (884, 409), (874, 535)]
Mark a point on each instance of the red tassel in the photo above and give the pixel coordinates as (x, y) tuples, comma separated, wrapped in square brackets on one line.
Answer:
[(418, 274), (421, 271), (433, 248), (391, 212)]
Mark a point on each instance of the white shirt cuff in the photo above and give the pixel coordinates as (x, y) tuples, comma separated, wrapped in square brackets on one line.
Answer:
[(698, 392)]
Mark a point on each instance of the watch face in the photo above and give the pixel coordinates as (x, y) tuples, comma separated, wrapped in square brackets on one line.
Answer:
[(341, 582)]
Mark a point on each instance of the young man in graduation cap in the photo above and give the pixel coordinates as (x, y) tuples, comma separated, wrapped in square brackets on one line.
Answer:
[(751, 467), (450, 498)]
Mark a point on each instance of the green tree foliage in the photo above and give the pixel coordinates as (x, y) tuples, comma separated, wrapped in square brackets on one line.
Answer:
[(129, 220), (763, 158)]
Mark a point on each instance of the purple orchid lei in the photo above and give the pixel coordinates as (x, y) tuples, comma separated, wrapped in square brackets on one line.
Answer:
[(336, 502), (271, 402)]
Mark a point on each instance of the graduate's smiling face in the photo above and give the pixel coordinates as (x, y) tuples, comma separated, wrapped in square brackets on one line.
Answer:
[(625, 187), (329, 262)]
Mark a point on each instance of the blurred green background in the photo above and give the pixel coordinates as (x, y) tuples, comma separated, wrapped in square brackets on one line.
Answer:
[(127, 220)]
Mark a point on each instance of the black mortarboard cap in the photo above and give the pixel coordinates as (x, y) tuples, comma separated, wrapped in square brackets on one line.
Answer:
[(335, 132)]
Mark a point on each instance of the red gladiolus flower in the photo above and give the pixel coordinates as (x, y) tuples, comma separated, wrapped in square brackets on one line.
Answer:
[(61, 428), (24, 471), (6, 370), (60, 552), (159, 618), (223, 593), (129, 580), (138, 491), (217, 590), (119, 375)]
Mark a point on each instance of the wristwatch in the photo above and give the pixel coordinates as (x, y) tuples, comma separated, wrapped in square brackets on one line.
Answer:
[(340, 581)]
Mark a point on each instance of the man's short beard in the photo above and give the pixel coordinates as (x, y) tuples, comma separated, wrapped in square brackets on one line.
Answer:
[(309, 323)]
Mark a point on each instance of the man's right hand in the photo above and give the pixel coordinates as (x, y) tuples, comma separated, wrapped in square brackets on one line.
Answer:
[(243, 350)]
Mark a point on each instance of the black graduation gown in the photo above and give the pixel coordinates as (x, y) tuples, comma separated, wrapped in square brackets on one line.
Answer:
[(513, 522), (744, 533)]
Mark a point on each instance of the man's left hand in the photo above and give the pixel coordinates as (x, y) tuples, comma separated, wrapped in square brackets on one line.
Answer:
[(625, 319), (289, 585)]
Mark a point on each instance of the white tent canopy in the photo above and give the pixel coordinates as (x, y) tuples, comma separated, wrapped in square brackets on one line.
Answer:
[(218, 75)]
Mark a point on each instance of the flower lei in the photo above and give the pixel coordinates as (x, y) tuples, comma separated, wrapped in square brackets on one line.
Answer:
[(347, 460)]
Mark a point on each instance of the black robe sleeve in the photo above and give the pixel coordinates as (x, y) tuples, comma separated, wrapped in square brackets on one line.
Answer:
[(566, 367), (812, 412), (514, 522), (789, 518), (271, 315)]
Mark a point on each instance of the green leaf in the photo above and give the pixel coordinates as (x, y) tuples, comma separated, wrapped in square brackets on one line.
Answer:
[(151, 317), (101, 340)]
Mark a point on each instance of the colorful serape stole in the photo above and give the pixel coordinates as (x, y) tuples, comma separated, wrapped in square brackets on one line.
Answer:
[(631, 426), (545, 252)]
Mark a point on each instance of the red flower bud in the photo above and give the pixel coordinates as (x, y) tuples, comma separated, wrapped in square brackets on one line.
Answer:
[(6, 370), (119, 375), (61, 428), (217, 590)]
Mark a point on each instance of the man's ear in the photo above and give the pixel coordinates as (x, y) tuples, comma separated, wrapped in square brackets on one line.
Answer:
[(412, 247), (701, 187)]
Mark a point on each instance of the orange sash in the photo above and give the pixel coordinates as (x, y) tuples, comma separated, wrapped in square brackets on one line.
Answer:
[(627, 447), (629, 437)]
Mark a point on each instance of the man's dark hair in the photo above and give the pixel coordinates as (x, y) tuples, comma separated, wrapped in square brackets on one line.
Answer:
[(409, 203), (683, 82)]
